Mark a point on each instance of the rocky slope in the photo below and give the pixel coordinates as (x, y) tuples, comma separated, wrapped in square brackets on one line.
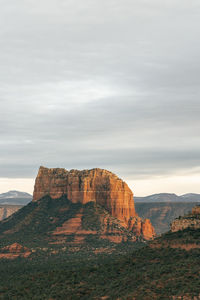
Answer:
[(49, 224), (97, 185), (13, 251), (160, 214), (160, 270), (184, 233), (191, 220)]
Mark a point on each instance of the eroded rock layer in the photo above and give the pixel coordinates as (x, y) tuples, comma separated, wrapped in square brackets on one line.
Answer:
[(13, 251), (191, 220), (96, 185), (91, 221)]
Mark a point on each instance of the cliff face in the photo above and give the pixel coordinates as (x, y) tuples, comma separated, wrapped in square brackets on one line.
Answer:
[(184, 223), (100, 186), (96, 185), (8, 210), (147, 229), (191, 220), (196, 210)]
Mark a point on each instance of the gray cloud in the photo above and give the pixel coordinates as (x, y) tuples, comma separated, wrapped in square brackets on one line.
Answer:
[(112, 84)]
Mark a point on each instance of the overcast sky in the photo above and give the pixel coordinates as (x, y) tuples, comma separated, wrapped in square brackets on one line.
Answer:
[(113, 84)]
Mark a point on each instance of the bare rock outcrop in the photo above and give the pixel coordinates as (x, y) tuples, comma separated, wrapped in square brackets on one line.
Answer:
[(147, 230), (191, 220), (109, 228), (96, 185), (13, 251), (183, 223), (196, 210)]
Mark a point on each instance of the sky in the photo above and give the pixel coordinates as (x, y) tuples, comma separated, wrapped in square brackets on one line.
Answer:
[(112, 84)]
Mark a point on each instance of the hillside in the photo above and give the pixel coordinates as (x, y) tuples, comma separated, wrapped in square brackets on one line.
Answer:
[(160, 214), (78, 241), (156, 271), (56, 248), (184, 232), (62, 223)]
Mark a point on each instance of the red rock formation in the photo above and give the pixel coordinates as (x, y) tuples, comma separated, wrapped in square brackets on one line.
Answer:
[(96, 185), (100, 186), (147, 230), (142, 228), (190, 220), (13, 251), (196, 210), (108, 228), (15, 248)]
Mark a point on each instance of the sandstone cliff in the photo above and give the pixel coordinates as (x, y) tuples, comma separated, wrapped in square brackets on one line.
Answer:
[(191, 220), (96, 185)]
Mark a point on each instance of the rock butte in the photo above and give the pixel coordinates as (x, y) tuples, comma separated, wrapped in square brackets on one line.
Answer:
[(96, 185)]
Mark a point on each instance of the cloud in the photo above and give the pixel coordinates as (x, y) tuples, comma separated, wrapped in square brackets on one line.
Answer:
[(111, 84)]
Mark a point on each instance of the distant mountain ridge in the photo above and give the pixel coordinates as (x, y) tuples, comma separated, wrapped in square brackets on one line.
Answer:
[(15, 198), (167, 197)]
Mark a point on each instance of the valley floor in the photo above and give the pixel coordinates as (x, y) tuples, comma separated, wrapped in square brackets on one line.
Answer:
[(146, 273)]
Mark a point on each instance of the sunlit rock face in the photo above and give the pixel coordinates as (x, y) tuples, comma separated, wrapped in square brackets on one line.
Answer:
[(191, 220), (147, 230), (141, 227), (96, 185), (196, 210)]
